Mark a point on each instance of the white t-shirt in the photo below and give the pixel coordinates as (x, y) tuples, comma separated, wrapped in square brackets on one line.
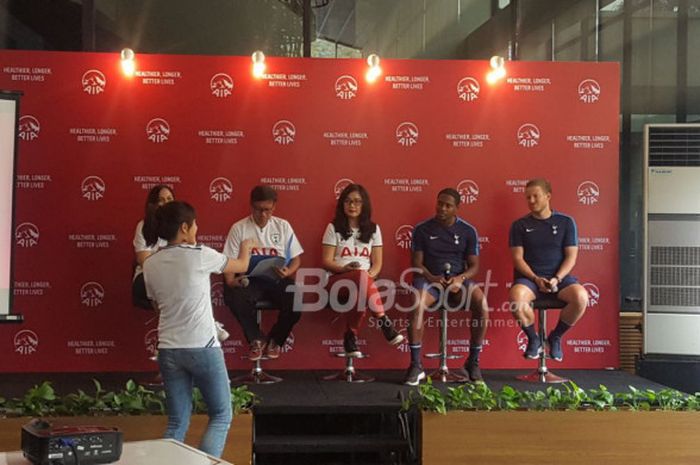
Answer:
[(140, 245), (177, 278), (352, 249), (277, 238)]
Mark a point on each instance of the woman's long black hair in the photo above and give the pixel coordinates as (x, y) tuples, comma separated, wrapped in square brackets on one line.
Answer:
[(149, 219), (340, 221)]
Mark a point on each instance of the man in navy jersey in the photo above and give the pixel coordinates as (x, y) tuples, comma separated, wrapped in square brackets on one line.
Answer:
[(446, 253), (544, 247)]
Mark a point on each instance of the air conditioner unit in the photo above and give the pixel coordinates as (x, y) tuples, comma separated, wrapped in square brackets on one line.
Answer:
[(672, 239)]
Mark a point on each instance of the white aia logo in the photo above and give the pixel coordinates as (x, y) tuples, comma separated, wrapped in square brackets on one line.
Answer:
[(92, 294), (404, 236), (289, 343), (468, 89), (589, 91), (221, 85), (528, 135), (468, 191), (407, 134), (284, 132), (26, 342), (588, 193), (593, 294), (93, 188), (150, 340), (220, 189), (521, 341), (340, 186), (158, 130), (217, 294), (29, 128), (94, 82), (346, 87), (27, 235)]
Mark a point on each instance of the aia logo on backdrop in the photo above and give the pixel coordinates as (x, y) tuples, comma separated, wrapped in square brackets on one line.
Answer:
[(529, 135), (26, 342), (593, 294), (150, 341), (284, 132), (407, 134), (346, 87), (158, 130), (29, 128), (340, 186), (588, 193), (521, 341), (93, 188), (289, 343), (27, 235), (404, 236), (468, 89), (217, 294), (468, 191), (92, 294), (589, 91), (220, 189), (94, 82), (221, 85)]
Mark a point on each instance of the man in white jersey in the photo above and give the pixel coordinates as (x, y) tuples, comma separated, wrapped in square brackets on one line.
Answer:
[(278, 244)]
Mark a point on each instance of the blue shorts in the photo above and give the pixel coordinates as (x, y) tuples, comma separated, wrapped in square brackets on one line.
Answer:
[(436, 290), (567, 281)]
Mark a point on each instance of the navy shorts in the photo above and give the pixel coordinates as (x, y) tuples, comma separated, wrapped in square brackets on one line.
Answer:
[(564, 283), (436, 289)]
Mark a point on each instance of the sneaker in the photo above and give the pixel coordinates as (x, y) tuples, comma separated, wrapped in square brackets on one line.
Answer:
[(473, 370), (257, 347), (390, 334), (221, 333), (555, 351), (414, 375), (534, 349), (350, 345), (273, 350)]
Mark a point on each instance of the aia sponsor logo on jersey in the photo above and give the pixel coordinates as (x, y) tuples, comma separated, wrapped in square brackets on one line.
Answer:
[(94, 82), (271, 251), (354, 252)]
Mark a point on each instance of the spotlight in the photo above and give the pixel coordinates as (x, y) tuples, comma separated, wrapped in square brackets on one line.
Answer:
[(498, 69), (374, 70), (258, 64), (128, 62)]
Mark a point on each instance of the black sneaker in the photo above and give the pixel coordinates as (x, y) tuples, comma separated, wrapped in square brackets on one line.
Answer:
[(390, 334), (350, 345), (555, 350), (414, 375), (473, 370), (534, 349)]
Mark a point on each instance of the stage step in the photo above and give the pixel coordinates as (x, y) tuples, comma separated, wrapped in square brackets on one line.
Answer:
[(338, 443)]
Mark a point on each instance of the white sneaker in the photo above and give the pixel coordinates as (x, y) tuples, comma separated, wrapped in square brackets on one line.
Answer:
[(221, 333)]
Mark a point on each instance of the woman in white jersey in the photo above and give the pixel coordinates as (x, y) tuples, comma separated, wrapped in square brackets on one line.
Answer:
[(189, 353), (352, 250)]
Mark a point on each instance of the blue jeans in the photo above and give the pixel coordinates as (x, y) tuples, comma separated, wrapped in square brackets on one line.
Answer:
[(205, 368)]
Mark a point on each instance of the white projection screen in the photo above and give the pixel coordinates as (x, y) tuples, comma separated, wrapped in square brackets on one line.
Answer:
[(9, 108)]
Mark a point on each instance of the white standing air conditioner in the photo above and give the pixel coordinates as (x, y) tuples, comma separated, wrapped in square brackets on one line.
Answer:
[(672, 239)]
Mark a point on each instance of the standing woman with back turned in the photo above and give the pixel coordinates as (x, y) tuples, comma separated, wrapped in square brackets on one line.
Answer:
[(189, 353)]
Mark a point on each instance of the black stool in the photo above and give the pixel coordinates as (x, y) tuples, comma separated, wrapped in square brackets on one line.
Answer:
[(542, 374), (257, 375), (443, 373), (349, 374)]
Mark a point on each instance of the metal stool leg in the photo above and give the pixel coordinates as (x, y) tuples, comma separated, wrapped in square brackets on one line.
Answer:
[(443, 374), (542, 374), (349, 374), (257, 375)]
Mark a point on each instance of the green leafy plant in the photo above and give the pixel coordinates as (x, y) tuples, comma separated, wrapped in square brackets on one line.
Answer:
[(242, 399)]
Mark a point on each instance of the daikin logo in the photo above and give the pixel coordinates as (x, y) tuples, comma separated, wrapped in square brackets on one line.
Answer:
[(150, 341), (528, 135), (27, 235), (93, 188), (29, 128), (94, 82), (593, 294), (284, 132), (221, 85), (404, 236), (92, 294), (346, 87), (589, 91), (340, 186), (468, 191), (26, 342), (158, 130), (588, 193), (217, 294), (407, 134), (220, 189), (468, 89)]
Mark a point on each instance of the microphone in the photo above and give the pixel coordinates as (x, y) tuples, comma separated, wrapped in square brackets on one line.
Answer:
[(447, 270), (245, 282)]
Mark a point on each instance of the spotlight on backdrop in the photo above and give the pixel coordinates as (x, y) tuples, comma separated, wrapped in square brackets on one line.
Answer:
[(374, 70), (498, 69), (258, 64), (128, 62)]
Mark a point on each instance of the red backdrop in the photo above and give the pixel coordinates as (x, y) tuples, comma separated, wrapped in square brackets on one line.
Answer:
[(93, 142)]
